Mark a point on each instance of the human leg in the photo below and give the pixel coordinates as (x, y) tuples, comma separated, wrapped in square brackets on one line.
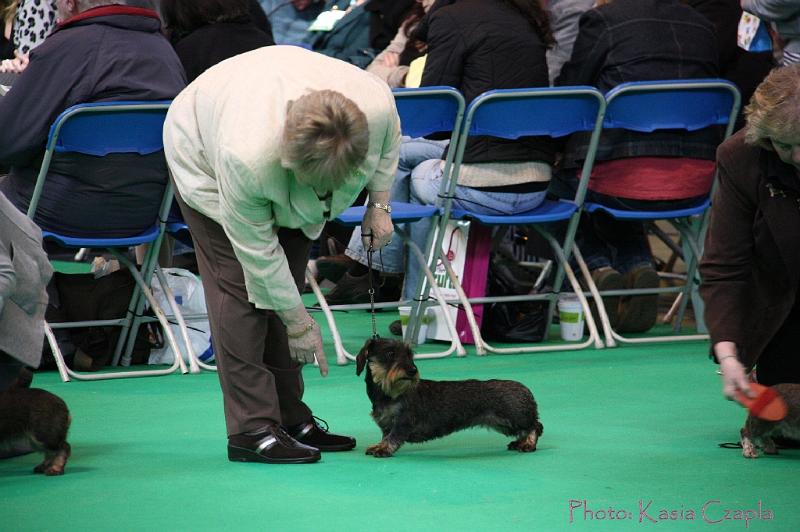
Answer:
[(426, 181), (239, 332), (779, 361), (627, 244), (295, 414)]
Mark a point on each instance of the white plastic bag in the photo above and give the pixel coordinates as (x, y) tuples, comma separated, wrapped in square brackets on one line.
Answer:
[(188, 291)]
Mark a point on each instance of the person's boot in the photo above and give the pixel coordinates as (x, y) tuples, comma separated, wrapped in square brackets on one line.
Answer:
[(639, 313), (353, 289), (607, 278), (333, 267)]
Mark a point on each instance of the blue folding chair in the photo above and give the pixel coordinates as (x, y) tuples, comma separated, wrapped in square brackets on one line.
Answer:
[(100, 129), (422, 111), (511, 114), (670, 104)]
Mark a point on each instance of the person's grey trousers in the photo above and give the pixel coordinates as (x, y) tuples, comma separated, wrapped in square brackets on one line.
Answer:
[(261, 384)]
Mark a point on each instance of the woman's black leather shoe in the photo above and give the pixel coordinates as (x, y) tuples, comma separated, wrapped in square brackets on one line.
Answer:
[(270, 446), (310, 433)]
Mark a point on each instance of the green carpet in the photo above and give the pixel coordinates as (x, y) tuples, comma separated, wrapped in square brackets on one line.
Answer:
[(623, 427)]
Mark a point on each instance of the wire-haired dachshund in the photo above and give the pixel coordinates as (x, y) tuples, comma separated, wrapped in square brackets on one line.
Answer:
[(410, 409)]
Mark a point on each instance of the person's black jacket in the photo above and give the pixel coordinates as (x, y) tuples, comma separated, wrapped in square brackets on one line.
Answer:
[(208, 45), (642, 40), (480, 45), (109, 53)]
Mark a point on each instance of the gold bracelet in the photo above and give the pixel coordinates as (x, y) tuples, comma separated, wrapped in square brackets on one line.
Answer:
[(306, 328), (382, 206)]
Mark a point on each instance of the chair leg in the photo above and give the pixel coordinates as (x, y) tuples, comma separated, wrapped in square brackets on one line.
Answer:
[(142, 373), (594, 335), (129, 330), (194, 362), (598, 300), (341, 352), (63, 370), (463, 299), (455, 341)]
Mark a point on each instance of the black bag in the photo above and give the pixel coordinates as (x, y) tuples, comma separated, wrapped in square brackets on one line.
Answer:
[(81, 297), (516, 322)]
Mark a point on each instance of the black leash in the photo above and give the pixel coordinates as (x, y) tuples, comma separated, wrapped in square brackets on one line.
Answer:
[(371, 290)]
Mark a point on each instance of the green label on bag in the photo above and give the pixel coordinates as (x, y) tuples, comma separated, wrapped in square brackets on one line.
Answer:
[(570, 317)]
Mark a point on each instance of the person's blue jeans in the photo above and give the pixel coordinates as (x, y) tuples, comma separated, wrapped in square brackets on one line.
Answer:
[(425, 182), (412, 153)]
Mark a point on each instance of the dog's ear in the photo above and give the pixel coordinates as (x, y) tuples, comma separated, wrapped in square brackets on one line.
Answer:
[(361, 357)]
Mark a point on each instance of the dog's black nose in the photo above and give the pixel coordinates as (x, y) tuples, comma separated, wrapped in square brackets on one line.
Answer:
[(412, 371)]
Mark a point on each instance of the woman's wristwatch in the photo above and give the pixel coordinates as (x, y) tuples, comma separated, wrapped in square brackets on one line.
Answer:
[(382, 206)]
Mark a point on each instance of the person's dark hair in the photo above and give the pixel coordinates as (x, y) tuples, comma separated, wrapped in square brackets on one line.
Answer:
[(537, 16), (412, 18), (182, 17)]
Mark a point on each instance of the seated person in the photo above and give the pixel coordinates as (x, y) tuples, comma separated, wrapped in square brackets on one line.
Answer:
[(357, 36), (205, 32), (564, 17), (391, 65), (290, 20), (637, 40), (475, 46), (98, 53), (8, 8), (785, 16), (27, 23)]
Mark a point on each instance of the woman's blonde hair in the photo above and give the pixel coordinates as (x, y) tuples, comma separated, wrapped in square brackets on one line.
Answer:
[(774, 109), (9, 10), (325, 138)]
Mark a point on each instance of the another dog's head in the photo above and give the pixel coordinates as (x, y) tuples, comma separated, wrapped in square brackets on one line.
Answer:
[(391, 365)]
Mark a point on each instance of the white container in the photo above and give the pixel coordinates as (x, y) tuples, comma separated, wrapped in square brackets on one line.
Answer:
[(405, 312), (570, 315)]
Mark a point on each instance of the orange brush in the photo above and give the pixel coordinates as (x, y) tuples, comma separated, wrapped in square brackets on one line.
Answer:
[(767, 404)]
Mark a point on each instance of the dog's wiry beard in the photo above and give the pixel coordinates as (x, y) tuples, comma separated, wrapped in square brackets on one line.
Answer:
[(394, 382)]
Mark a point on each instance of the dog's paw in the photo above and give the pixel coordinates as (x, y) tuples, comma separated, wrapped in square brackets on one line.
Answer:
[(379, 450), (526, 444), (769, 446), (749, 449)]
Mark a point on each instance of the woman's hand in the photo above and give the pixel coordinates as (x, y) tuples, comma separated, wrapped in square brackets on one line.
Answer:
[(16, 65), (304, 337), (734, 376), (376, 229)]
